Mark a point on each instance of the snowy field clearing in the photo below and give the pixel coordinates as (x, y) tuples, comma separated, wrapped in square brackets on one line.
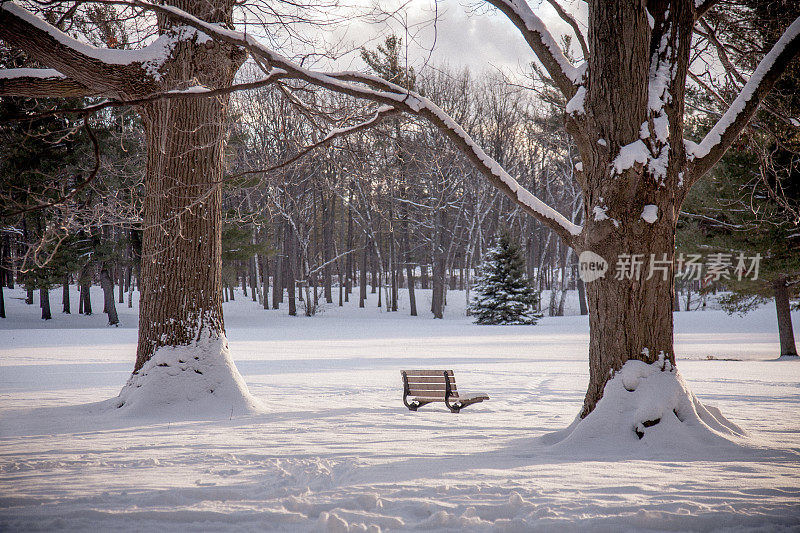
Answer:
[(336, 450)]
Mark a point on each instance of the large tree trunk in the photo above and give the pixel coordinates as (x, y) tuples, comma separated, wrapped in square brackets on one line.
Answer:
[(630, 318), (785, 331), (181, 272)]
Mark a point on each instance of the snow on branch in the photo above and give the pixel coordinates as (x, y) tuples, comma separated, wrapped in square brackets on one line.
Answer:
[(378, 90), (103, 68), (41, 73), (541, 41), (704, 155)]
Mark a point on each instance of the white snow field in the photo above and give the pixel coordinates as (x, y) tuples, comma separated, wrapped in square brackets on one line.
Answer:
[(334, 449)]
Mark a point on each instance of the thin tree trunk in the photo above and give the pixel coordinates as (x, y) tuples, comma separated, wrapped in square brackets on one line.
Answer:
[(253, 279), (290, 271), (263, 263), (2, 302), (108, 295), (688, 296), (785, 331), (65, 296), (86, 296), (121, 285), (582, 297), (349, 260), (44, 299), (277, 277), (328, 217), (412, 296), (362, 283)]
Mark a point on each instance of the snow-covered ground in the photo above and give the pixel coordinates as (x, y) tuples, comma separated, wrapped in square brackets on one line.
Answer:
[(335, 450)]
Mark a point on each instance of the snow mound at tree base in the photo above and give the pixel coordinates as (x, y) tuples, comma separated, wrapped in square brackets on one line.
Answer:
[(647, 407), (188, 382)]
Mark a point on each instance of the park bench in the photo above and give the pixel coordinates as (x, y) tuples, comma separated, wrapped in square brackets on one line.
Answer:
[(427, 386)]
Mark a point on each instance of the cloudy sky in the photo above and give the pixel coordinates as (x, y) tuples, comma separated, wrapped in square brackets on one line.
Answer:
[(455, 32)]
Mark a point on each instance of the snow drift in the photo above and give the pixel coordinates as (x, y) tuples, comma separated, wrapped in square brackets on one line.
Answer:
[(647, 406), (185, 382)]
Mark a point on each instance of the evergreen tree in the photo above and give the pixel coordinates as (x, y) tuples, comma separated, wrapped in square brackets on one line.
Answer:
[(503, 292)]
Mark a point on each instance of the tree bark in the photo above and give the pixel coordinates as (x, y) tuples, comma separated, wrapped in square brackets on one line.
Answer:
[(181, 272), (785, 331), (630, 318)]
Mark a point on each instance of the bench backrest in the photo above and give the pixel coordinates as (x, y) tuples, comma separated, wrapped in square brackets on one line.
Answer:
[(430, 384)]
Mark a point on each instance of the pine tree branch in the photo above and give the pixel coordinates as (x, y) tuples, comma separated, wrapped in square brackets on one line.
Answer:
[(703, 156)]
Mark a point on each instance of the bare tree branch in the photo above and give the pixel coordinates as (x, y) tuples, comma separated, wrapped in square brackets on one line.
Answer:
[(379, 115), (542, 43), (192, 92), (569, 19)]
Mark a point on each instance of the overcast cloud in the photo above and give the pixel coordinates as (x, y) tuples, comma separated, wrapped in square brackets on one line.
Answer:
[(464, 34)]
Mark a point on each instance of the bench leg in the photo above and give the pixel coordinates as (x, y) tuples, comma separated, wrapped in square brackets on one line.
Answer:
[(413, 406), (458, 406)]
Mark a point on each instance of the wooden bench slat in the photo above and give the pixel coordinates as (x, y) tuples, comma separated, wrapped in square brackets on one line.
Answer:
[(434, 393), (428, 379), (433, 386), (431, 373)]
